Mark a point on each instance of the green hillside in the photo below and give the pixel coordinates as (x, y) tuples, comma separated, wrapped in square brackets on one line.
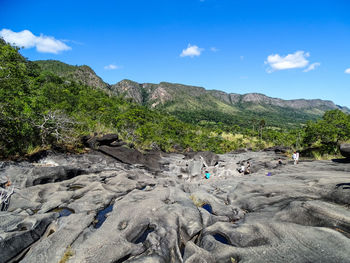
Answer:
[(41, 110), (195, 105), (81, 74)]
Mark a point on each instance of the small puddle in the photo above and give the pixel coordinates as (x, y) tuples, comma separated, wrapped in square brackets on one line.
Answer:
[(146, 187), (35, 211), (125, 258), (221, 238), (101, 216), (208, 208), (144, 235), (182, 249), (77, 197), (63, 211), (74, 187)]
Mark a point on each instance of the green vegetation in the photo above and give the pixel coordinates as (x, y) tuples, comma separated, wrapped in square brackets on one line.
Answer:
[(57, 67), (328, 132), (80, 74), (197, 202), (40, 109), (67, 255)]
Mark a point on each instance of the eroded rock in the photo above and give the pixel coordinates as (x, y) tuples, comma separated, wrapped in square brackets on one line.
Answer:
[(123, 211)]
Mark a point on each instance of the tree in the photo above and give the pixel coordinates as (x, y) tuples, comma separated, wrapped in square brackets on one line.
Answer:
[(333, 128), (262, 124)]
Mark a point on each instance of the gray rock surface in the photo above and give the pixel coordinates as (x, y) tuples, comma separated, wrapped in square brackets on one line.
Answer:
[(98, 209)]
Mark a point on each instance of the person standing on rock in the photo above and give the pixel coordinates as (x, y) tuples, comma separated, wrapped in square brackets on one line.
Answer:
[(295, 157)]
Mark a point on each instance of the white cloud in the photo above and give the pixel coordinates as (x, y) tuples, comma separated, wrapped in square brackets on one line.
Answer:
[(312, 67), (191, 51), (214, 49), (111, 67), (347, 71), (27, 39), (296, 60)]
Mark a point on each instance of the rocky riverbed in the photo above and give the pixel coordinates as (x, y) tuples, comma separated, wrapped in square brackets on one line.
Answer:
[(95, 208)]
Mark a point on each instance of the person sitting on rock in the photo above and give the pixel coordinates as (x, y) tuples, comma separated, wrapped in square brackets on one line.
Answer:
[(5, 183), (5, 195), (207, 175), (8, 184), (247, 170), (241, 169)]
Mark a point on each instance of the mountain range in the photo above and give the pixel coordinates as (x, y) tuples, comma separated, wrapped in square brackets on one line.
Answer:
[(196, 104)]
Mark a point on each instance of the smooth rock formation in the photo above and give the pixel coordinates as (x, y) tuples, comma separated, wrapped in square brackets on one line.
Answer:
[(111, 145), (345, 149), (95, 208)]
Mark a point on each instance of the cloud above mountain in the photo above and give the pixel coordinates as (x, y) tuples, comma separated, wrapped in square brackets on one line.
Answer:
[(26, 39), (111, 67), (312, 67), (191, 51), (290, 61)]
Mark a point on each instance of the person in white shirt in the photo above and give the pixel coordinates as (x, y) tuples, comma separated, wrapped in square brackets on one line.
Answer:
[(294, 157)]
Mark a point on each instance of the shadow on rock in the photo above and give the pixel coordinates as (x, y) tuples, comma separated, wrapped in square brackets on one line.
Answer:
[(341, 160)]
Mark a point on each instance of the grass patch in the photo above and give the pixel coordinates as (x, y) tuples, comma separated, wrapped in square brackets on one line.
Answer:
[(197, 202), (35, 149), (318, 156), (67, 255)]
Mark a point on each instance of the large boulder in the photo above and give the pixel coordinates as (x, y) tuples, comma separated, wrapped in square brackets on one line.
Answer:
[(132, 156), (345, 149), (123, 154), (208, 158), (107, 139), (45, 175), (94, 142)]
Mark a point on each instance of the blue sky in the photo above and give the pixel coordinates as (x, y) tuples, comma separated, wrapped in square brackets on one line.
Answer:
[(286, 49)]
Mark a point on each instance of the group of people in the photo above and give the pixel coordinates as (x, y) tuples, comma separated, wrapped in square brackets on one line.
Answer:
[(247, 169)]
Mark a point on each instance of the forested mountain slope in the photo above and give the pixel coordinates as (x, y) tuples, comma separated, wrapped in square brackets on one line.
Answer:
[(197, 105)]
